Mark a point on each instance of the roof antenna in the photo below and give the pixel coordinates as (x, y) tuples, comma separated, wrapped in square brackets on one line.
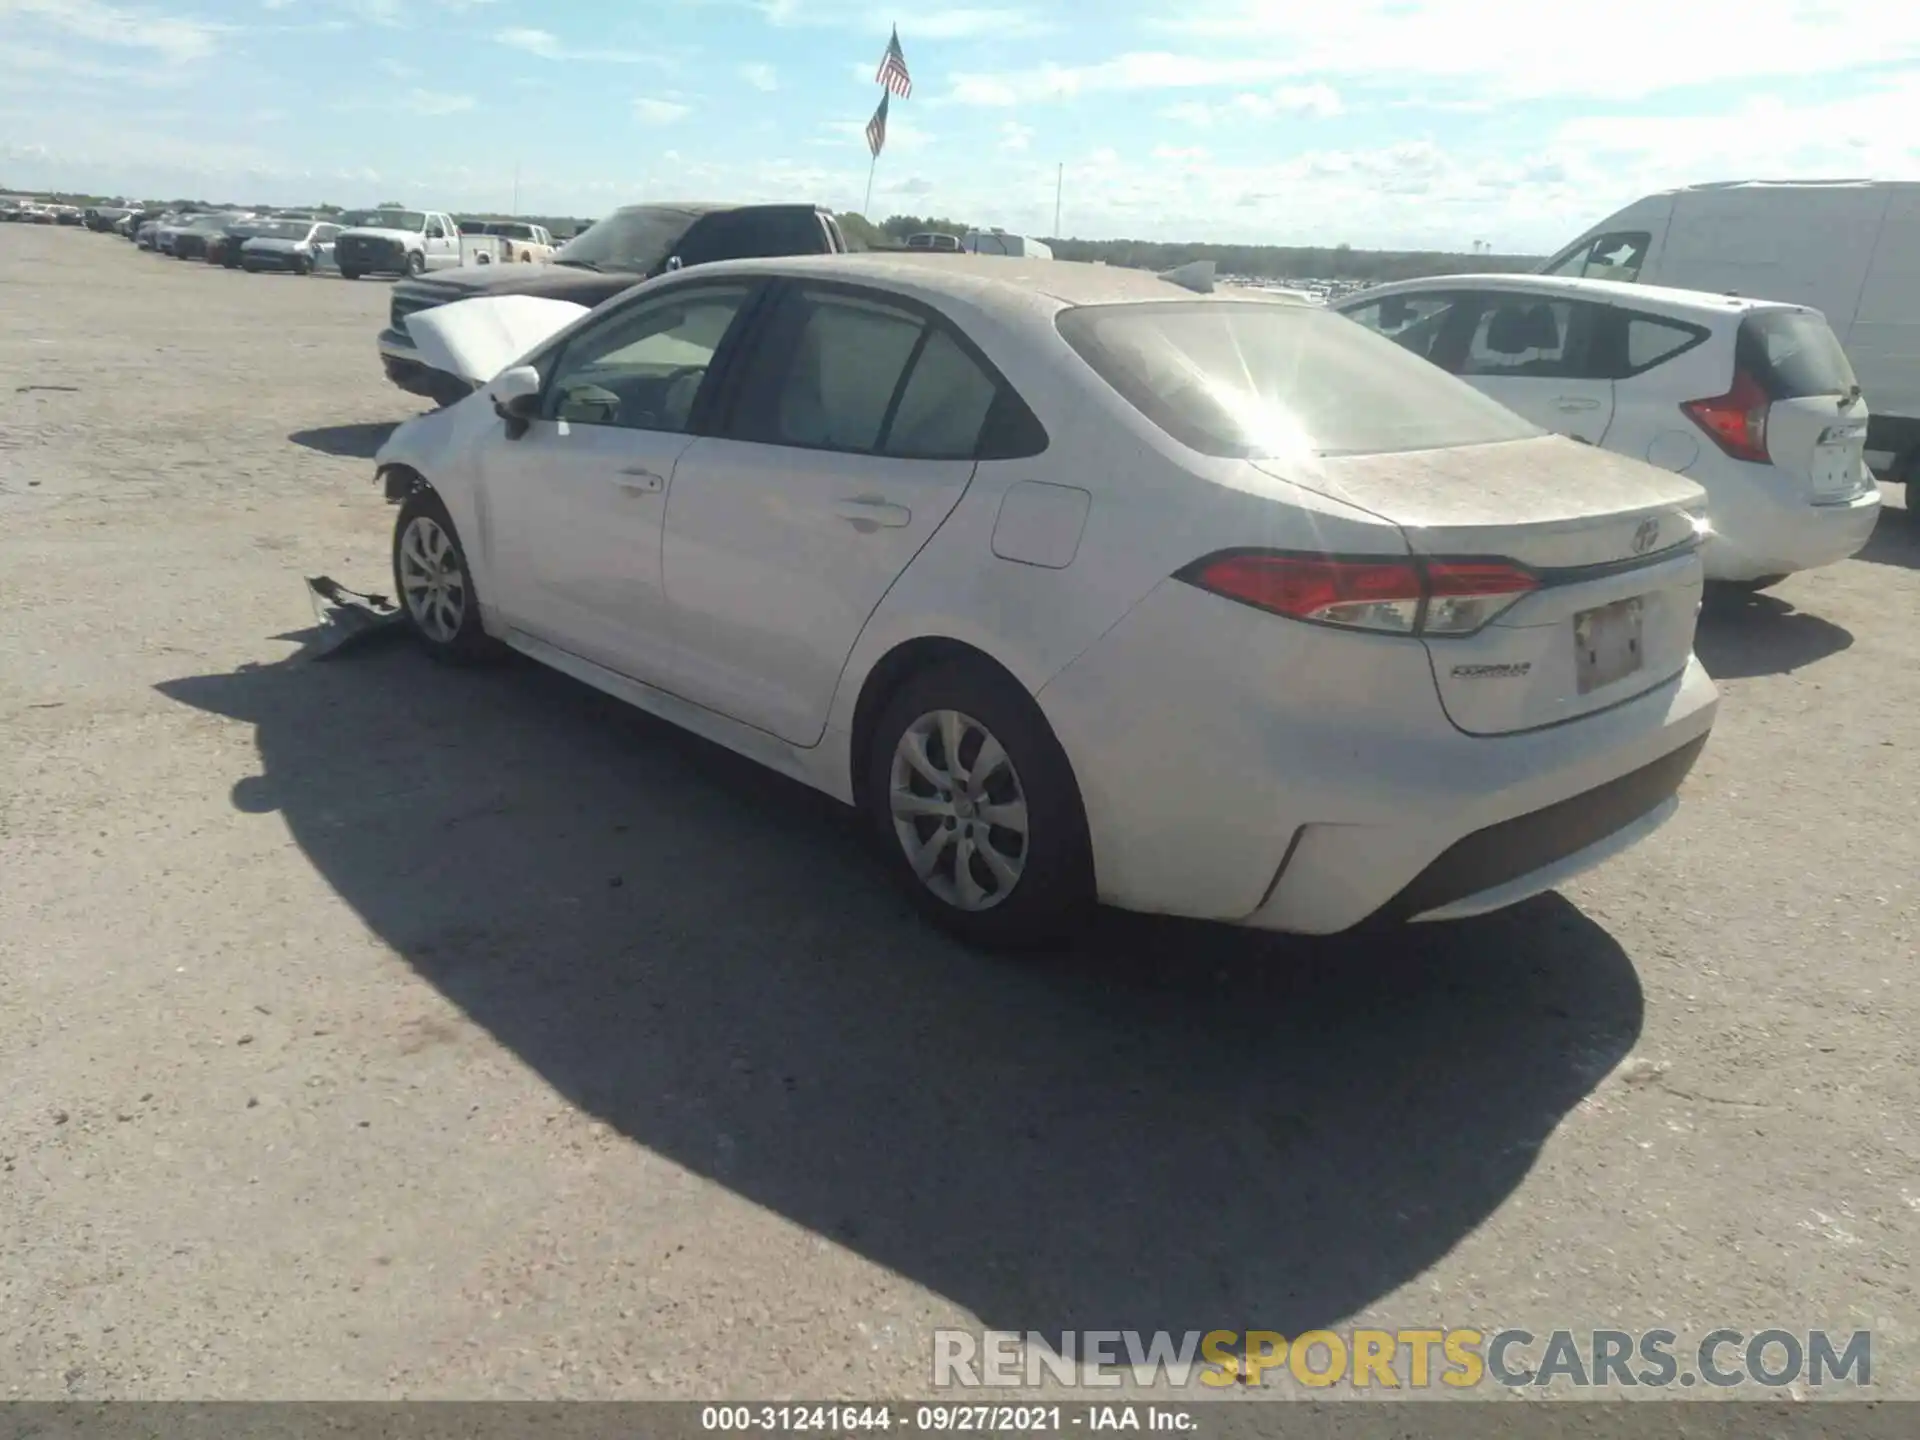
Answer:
[(1196, 276)]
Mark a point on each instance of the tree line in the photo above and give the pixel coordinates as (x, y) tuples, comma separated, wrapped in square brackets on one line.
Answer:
[(1279, 262)]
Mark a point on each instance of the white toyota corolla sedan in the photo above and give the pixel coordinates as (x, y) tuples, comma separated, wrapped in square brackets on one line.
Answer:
[(1080, 582)]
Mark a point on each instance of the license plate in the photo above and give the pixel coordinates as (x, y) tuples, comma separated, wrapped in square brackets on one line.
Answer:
[(1836, 469), (1607, 644)]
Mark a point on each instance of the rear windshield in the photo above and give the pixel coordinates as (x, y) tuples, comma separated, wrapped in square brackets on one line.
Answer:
[(1255, 379), (1794, 354)]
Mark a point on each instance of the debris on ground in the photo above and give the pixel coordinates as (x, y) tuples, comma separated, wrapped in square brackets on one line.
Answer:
[(347, 616)]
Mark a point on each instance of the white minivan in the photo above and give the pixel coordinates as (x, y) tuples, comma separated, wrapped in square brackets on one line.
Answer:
[(1848, 248), (1751, 399)]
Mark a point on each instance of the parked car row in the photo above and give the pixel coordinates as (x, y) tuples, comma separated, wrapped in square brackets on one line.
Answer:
[(35, 212), (237, 239)]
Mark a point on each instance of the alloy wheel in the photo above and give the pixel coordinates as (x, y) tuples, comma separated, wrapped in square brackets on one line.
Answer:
[(432, 579), (958, 810)]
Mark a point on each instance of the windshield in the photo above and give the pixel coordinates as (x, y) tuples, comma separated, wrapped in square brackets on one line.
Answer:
[(1258, 379), (409, 220), (512, 232), (639, 240)]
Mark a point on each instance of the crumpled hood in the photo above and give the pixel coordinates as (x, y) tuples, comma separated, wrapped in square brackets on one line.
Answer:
[(477, 339)]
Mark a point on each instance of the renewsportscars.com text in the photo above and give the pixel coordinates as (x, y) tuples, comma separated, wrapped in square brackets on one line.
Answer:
[(1366, 1359)]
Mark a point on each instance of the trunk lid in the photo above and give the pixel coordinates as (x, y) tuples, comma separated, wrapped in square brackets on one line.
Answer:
[(1816, 423), (1613, 542)]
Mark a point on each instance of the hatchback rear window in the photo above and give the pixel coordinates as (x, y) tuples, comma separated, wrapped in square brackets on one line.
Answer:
[(1793, 354), (1258, 379)]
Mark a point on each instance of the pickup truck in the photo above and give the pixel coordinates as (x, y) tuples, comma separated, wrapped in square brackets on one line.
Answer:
[(630, 245), (396, 242)]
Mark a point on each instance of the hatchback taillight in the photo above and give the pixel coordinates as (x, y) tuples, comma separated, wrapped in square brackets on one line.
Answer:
[(1737, 420), (1412, 596)]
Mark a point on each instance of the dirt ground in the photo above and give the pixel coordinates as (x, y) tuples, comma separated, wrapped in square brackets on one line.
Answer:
[(369, 1029)]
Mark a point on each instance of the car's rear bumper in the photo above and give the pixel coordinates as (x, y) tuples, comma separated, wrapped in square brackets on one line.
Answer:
[(1766, 538), (1236, 766)]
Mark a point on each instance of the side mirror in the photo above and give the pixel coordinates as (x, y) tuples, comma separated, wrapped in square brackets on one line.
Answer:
[(674, 262), (516, 398)]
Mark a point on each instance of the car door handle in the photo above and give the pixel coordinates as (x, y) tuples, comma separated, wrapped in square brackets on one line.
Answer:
[(638, 480), (1575, 402), (867, 511)]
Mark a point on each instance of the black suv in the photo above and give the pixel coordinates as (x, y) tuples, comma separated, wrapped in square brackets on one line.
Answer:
[(632, 244)]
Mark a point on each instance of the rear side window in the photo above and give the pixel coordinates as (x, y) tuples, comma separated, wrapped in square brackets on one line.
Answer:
[(1652, 342), (944, 405), (1527, 337), (845, 359), (1793, 353), (1253, 379)]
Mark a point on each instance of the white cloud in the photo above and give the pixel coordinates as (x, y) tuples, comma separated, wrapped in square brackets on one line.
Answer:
[(435, 102), (399, 71), (548, 46), (1637, 48), (760, 77), (1186, 154), (1015, 136), (649, 111), (1320, 102), (171, 38), (959, 23)]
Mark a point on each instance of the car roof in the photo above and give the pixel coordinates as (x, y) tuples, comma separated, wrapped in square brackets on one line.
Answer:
[(1645, 297), (992, 281)]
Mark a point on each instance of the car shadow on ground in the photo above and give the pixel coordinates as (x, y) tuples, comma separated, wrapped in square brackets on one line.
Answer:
[(1896, 538), (1172, 1125), (356, 442), (1741, 635)]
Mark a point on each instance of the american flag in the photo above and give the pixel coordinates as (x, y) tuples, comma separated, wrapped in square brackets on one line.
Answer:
[(893, 68), (877, 128)]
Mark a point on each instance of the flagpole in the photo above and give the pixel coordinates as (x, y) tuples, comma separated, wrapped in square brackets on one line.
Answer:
[(1059, 183), (867, 204)]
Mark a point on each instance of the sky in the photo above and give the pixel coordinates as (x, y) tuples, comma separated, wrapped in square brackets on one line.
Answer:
[(1375, 123)]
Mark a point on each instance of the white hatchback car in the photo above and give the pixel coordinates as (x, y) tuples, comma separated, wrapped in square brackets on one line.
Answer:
[(1079, 583), (1753, 399)]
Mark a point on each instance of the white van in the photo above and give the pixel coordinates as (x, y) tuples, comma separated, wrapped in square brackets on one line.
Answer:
[(1848, 248), (999, 242)]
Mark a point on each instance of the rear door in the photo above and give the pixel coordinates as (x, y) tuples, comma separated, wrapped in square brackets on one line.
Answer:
[(1817, 421), (442, 242), (851, 436), (1535, 354)]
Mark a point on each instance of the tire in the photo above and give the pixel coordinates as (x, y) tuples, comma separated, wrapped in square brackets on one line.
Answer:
[(445, 616), (349, 274), (416, 263), (303, 265), (1042, 889), (249, 267)]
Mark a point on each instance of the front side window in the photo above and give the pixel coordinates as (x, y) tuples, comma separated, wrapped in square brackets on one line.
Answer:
[(642, 368), (1618, 255), (1257, 379)]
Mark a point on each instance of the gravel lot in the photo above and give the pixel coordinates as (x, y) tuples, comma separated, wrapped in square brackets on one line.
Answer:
[(369, 1029)]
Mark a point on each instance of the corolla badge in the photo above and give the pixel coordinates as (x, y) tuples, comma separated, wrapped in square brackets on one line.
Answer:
[(1646, 535)]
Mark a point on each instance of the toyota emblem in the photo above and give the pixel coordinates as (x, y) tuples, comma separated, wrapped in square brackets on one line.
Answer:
[(1646, 536)]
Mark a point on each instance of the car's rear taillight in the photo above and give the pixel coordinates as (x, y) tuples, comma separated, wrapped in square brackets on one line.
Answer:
[(1737, 420), (1411, 596)]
